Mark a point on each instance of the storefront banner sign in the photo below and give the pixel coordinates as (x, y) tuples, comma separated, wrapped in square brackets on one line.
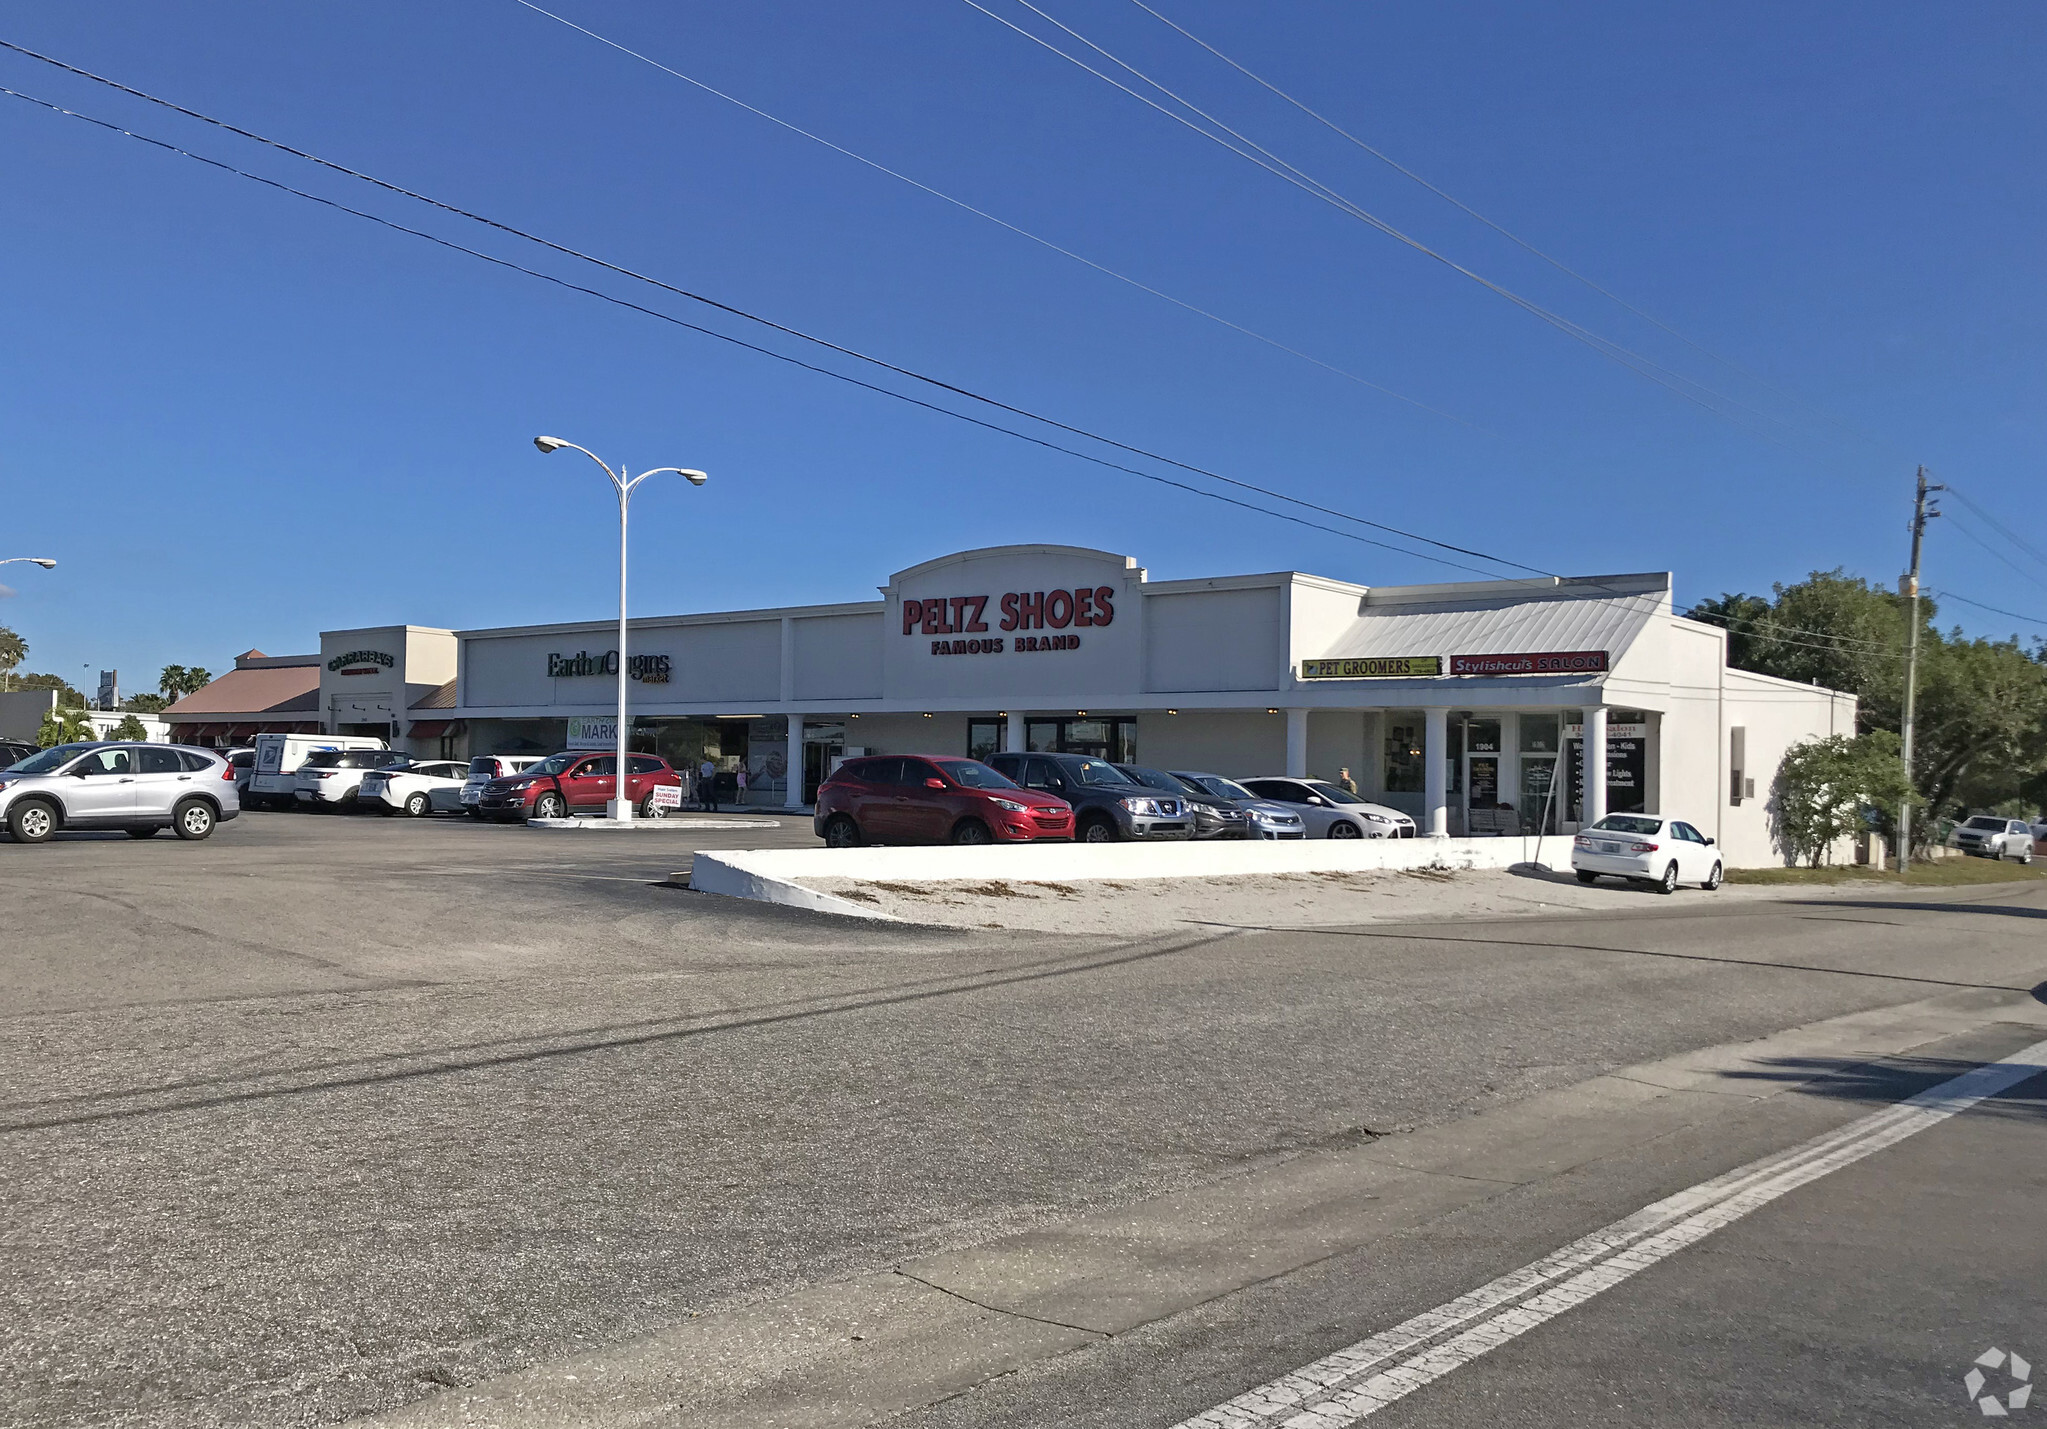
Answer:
[(593, 732), (362, 662), (1549, 662), (1378, 667), (1575, 730), (647, 669)]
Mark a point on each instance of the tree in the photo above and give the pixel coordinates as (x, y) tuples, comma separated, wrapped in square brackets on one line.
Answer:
[(146, 704), (129, 728), (176, 681), (1981, 733), (67, 724), (65, 694), (13, 650), (1830, 789)]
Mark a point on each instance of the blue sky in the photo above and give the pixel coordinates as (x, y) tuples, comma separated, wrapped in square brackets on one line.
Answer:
[(238, 419)]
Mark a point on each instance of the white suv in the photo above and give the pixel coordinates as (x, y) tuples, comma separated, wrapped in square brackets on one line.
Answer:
[(330, 778), (142, 788), (1994, 836), (430, 787)]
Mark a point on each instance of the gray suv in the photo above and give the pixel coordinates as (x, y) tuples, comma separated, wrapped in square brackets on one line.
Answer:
[(142, 788), (1107, 804)]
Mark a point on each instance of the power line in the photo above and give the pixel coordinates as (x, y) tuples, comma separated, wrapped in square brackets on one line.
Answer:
[(1963, 528), (1498, 228), (728, 308), (807, 366), (1273, 164), (1997, 525), (1994, 610), (982, 213)]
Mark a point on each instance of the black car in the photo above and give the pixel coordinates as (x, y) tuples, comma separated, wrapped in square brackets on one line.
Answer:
[(1214, 818), (13, 750), (1107, 804)]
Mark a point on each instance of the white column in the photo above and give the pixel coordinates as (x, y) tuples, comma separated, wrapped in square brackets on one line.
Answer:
[(1436, 772), (794, 798), (1013, 737), (1297, 744), (1593, 761)]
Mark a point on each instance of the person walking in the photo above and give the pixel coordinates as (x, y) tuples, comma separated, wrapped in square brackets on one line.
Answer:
[(1345, 782), (740, 779), (707, 786)]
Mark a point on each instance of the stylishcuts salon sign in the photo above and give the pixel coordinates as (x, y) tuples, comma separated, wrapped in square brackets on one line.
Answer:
[(1081, 607)]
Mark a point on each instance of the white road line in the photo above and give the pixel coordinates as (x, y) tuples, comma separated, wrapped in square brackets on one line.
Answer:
[(1344, 1387)]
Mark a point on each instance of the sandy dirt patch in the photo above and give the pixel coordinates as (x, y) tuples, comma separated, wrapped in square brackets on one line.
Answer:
[(1277, 900)]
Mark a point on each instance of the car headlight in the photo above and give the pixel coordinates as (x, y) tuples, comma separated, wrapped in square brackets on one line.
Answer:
[(1141, 806), (1011, 805), (1378, 818)]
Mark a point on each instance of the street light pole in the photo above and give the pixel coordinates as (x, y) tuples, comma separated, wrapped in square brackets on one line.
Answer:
[(47, 564), (621, 806)]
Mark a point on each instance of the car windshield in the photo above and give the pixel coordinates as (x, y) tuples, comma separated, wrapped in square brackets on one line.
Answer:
[(970, 774), (1158, 779), (1334, 794), (48, 759), (1095, 772), (1628, 824), (1220, 787), (1984, 821), (553, 764)]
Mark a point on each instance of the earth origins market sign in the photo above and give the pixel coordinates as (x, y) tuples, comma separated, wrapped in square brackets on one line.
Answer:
[(1020, 611), (362, 662), (647, 669)]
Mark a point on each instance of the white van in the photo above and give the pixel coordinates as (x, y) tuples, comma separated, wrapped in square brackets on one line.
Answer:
[(486, 767), (274, 785)]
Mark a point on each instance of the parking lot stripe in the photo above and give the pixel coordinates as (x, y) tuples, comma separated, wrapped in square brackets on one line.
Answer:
[(1361, 1379)]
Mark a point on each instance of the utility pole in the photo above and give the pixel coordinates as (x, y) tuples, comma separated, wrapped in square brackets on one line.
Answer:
[(1920, 516)]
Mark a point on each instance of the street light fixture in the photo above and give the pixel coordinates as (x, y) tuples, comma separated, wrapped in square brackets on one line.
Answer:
[(44, 561), (621, 807)]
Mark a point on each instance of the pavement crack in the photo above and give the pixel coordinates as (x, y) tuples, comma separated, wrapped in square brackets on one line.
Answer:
[(999, 1310)]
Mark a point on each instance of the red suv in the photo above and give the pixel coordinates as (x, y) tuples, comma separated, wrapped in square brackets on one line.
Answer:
[(931, 799), (576, 783)]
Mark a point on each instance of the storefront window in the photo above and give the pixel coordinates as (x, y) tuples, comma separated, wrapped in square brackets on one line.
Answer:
[(1539, 734), (1536, 773), (1404, 765), (1482, 736), (984, 737), (1112, 739)]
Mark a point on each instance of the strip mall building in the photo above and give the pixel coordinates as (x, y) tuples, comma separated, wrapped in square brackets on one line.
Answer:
[(1456, 703)]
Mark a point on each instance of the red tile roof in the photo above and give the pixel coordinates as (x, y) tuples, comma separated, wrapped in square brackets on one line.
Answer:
[(278, 689)]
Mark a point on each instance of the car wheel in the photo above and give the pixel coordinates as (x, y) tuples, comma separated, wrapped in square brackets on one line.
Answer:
[(192, 819), (1098, 831), (842, 832), (972, 831), (1712, 879), (549, 806), (149, 833), (1668, 883), (1586, 875), (651, 810), (417, 806), (32, 821), (475, 813), (1345, 829)]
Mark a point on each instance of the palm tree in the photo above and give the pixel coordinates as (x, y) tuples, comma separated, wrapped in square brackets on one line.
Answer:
[(13, 650)]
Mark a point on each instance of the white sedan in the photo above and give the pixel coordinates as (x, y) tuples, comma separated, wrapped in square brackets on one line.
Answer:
[(1646, 848), (417, 790)]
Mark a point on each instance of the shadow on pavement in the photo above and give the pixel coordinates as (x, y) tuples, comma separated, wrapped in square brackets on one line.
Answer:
[(1894, 1079), (2005, 910)]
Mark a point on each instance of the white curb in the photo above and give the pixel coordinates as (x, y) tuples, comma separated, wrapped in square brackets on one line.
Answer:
[(670, 824)]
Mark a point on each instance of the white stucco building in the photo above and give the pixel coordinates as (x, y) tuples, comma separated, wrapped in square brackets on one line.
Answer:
[(1457, 703)]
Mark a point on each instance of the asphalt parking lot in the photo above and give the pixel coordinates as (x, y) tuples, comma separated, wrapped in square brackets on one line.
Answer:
[(327, 1116)]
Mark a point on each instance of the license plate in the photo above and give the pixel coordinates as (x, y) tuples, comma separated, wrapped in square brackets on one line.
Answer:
[(1608, 848)]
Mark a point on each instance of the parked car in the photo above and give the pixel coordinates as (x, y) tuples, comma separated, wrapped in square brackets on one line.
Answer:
[(1646, 848), (415, 790), (1268, 818), (1107, 805), (274, 785), (1332, 812), (243, 762), (143, 788), (930, 799), (12, 751), (1214, 817), (577, 782), (1994, 836), (486, 767), (331, 778)]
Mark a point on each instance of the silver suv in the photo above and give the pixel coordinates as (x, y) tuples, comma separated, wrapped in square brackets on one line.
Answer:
[(1994, 836), (141, 788)]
